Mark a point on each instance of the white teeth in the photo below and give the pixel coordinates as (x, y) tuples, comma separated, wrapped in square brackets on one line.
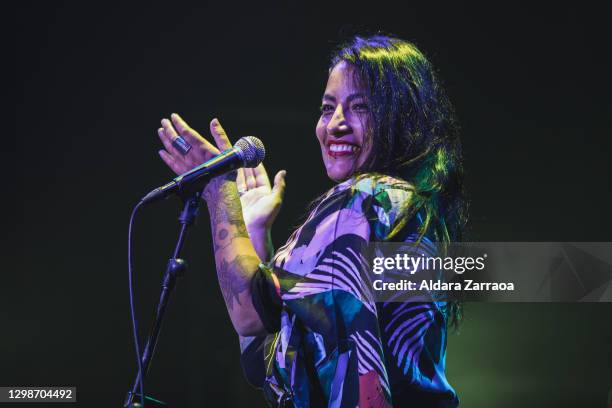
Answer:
[(342, 148)]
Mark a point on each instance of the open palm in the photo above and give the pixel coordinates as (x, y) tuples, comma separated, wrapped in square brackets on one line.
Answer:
[(260, 201)]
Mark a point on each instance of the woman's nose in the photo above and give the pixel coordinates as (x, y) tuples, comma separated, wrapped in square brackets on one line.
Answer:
[(338, 123)]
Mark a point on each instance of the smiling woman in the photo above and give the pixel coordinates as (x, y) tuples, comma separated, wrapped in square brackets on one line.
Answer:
[(312, 333), (343, 124)]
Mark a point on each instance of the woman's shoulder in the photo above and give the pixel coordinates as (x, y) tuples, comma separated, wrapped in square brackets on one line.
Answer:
[(375, 184), (384, 191), (385, 200)]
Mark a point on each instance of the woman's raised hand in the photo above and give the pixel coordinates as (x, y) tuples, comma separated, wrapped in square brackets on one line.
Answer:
[(201, 150), (260, 201)]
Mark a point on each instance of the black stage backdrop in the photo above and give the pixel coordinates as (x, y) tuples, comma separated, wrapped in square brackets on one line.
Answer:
[(530, 84)]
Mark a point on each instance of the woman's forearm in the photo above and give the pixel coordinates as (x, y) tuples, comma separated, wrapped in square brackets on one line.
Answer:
[(235, 256)]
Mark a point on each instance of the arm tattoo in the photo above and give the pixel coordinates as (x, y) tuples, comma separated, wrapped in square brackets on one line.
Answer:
[(234, 269), (226, 212), (231, 287)]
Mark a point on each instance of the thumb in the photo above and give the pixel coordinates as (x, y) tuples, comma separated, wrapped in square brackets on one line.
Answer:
[(279, 183)]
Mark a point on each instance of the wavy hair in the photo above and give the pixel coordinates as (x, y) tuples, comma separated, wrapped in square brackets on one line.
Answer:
[(413, 132)]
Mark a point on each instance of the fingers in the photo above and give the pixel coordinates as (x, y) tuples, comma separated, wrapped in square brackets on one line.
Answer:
[(261, 176), (180, 163), (249, 178), (167, 134), (219, 135), (165, 141), (191, 136), (202, 149), (240, 180), (279, 183), (169, 160)]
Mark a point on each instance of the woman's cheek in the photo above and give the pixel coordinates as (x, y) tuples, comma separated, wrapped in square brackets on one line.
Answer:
[(320, 131)]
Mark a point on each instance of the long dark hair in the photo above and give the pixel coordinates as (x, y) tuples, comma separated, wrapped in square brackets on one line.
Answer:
[(413, 132)]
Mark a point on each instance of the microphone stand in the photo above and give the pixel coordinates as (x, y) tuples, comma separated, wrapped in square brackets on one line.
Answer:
[(175, 268)]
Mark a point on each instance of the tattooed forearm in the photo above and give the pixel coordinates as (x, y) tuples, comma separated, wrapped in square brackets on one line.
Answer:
[(235, 256), (231, 285), (225, 212), (224, 235)]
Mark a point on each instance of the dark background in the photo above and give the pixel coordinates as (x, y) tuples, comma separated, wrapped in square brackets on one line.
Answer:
[(530, 85)]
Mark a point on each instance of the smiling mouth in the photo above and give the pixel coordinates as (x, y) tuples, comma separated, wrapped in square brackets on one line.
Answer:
[(342, 149)]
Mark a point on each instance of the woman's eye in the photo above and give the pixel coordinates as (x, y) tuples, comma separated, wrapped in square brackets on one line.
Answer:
[(360, 107), (326, 108)]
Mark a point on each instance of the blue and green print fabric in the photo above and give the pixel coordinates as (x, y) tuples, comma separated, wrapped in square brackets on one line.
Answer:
[(331, 344)]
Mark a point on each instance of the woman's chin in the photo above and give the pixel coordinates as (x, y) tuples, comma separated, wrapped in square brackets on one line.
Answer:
[(338, 176), (340, 169)]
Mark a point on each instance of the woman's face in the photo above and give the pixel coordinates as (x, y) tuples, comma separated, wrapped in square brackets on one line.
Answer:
[(342, 127)]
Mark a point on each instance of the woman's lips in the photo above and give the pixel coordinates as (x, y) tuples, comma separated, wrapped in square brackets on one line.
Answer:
[(336, 150)]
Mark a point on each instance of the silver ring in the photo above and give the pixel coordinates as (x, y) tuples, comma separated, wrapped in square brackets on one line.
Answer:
[(181, 145)]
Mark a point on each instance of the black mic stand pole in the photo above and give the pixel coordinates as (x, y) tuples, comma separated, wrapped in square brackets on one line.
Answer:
[(175, 268)]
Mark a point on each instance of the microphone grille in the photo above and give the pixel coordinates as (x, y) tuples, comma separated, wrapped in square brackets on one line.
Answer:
[(251, 150)]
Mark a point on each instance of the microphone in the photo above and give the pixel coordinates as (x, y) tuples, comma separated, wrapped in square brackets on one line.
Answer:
[(249, 151)]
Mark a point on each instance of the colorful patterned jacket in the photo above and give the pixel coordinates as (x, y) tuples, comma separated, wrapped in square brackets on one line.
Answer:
[(333, 345)]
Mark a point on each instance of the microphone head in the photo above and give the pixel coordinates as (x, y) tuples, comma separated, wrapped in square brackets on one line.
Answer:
[(251, 151)]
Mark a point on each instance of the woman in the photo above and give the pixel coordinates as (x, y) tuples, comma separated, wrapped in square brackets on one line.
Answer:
[(311, 333)]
